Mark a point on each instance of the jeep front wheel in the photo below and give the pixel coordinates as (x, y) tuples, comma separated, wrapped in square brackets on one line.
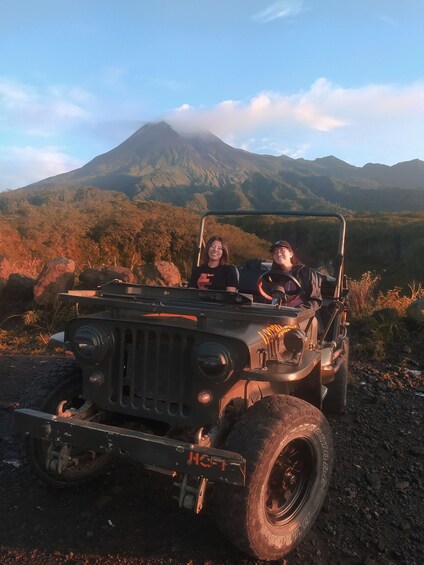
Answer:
[(59, 389), (288, 448)]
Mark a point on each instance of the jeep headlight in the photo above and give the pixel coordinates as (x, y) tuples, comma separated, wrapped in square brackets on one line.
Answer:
[(90, 343), (294, 341), (214, 361)]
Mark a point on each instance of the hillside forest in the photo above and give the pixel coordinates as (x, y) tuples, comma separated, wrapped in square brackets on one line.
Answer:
[(95, 227)]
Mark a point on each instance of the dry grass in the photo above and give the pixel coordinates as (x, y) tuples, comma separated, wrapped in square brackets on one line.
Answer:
[(29, 267), (23, 342), (393, 298), (364, 298), (29, 332), (362, 295), (378, 336)]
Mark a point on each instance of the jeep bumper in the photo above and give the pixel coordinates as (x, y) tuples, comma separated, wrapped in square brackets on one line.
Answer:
[(148, 449)]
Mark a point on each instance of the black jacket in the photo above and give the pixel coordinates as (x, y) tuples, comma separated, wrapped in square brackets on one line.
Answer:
[(310, 293)]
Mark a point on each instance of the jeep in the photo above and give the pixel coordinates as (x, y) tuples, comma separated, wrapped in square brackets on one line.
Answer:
[(219, 390)]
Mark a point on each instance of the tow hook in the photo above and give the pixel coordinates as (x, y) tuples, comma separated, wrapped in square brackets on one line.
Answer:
[(82, 413), (64, 413)]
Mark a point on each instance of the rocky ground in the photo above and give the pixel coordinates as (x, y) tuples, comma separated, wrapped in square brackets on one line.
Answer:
[(374, 513)]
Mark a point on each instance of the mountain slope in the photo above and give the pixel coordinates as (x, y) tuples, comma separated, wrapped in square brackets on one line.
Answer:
[(201, 171), (158, 156)]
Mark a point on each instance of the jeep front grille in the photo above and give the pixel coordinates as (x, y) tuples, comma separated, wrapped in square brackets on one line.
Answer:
[(152, 371)]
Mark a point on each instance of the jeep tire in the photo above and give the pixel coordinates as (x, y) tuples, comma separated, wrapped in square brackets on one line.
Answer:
[(288, 448), (61, 383)]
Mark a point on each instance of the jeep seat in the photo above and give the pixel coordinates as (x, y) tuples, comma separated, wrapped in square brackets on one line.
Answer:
[(250, 271)]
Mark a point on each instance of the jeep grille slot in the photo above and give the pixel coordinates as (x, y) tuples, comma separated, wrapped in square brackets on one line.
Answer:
[(152, 371)]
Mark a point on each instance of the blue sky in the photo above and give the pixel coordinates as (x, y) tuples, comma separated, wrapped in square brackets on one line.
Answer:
[(303, 78)]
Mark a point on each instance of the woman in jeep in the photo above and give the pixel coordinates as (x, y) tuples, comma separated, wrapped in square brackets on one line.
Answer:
[(215, 273), (301, 284)]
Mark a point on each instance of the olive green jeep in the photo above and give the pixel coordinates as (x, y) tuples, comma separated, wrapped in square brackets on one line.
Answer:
[(224, 394)]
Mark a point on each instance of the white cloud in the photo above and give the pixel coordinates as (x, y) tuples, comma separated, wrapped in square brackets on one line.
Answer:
[(282, 9), (43, 111), (23, 165), (183, 108), (267, 109), (374, 122), (14, 95), (270, 146)]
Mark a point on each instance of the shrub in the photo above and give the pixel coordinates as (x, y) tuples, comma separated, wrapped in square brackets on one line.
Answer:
[(364, 299), (377, 336), (362, 295), (393, 298)]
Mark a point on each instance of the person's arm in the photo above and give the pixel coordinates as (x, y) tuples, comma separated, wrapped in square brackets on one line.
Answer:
[(232, 278), (311, 295)]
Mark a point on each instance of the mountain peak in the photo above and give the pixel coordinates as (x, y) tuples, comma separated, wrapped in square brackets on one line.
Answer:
[(153, 129), (198, 166), (331, 161)]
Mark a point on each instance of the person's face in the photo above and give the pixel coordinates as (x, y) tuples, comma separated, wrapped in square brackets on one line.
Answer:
[(215, 251), (282, 256)]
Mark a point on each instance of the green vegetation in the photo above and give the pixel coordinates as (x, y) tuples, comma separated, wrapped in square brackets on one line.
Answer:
[(95, 227)]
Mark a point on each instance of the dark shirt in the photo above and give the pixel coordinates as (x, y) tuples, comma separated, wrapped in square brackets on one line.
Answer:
[(214, 278), (310, 293)]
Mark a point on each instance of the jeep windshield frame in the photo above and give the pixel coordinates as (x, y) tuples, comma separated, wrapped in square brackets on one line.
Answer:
[(283, 213)]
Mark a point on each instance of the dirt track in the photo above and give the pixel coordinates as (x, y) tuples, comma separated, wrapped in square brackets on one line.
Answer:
[(374, 513)]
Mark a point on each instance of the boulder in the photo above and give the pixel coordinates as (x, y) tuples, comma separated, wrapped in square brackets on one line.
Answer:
[(90, 279), (159, 273), (19, 288), (56, 276), (415, 311)]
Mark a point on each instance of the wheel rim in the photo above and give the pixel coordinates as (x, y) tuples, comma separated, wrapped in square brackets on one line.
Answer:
[(290, 482)]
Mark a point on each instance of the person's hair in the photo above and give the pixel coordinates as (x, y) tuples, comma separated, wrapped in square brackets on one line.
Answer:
[(225, 257)]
